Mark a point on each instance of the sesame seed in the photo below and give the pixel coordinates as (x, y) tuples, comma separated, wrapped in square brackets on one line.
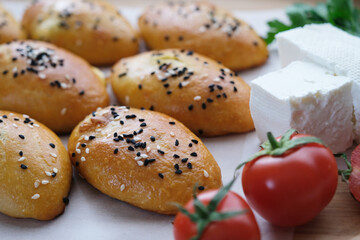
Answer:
[(206, 174), (35, 196), (21, 159), (197, 98), (122, 187), (15, 125), (37, 183), (63, 111), (48, 173), (87, 150), (44, 182), (140, 163), (53, 155), (83, 159), (78, 151), (55, 170)]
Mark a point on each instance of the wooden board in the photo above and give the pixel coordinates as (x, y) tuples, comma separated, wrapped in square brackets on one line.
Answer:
[(340, 220)]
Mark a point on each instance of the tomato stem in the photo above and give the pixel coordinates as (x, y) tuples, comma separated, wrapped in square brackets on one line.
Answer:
[(345, 174), (273, 142)]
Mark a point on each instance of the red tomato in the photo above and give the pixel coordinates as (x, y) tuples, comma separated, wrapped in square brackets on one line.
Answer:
[(242, 226), (354, 179), (291, 189)]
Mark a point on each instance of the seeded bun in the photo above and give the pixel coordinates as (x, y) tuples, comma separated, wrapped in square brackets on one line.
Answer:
[(204, 95), (92, 29), (35, 169), (204, 28), (49, 84), (9, 28), (142, 157)]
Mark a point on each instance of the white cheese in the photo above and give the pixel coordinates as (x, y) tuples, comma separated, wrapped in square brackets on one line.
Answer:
[(329, 47), (305, 97)]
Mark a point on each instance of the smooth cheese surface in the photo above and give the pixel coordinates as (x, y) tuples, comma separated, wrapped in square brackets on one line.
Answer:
[(305, 97), (329, 47)]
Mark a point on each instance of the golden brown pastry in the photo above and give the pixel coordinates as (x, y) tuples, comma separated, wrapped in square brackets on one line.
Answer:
[(9, 28), (35, 169), (49, 84), (92, 29), (142, 157), (204, 95), (204, 28)]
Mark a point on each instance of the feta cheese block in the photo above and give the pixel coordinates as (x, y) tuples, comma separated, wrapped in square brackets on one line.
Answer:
[(305, 97), (329, 47)]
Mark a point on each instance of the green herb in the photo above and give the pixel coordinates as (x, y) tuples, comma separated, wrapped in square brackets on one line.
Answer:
[(340, 13)]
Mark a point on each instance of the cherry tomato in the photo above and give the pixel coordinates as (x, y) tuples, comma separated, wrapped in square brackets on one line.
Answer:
[(354, 179), (243, 226), (292, 188)]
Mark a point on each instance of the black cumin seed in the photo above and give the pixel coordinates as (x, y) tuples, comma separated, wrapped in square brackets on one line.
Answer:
[(91, 137), (209, 100), (82, 92), (66, 200), (218, 96), (176, 142), (203, 105), (178, 171), (176, 166), (141, 119), (121, 122), (200, 131), (152, 108), (193, 154), (161, 152), (224, 95), (143, 125), (23, 166), (77, 163), (191, 107), (181, 38), (73, 154), (195, 141), (53, 174), (168, 92), (21, 136), (152, 138), (130, 116), (189, 53), (5, 72), (130, 148), (166, 85), (52, 145), (116, 150), (172, 123), (140, 86), (184, 160), (122, 75), (166, 38), (161, 175), (190, 144), (235, 89), (176, 156), (201, 188), (189, 165), (21, 153), (83, 144)]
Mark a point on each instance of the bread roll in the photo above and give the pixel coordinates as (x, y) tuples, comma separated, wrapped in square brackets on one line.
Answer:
[(141, 157), (49, 84), (9, 28), (204, 28), (35, 169), (204, 95), (92, 29)]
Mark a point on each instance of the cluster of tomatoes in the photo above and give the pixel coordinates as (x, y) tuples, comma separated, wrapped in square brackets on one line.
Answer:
[(288, 182)]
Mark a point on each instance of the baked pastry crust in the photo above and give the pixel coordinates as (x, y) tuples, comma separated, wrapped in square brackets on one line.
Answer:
[(142, 157), (204, 28), (35, 169), (50, 84), (10, 29), (204, 95), (94, 30)]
